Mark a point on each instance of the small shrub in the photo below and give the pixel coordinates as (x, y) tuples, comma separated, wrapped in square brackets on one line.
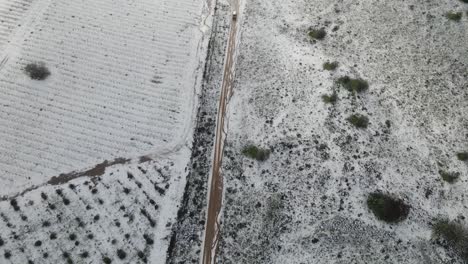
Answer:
[(330, 99), (37, 71), (7, 254), (14, 204), (121, 254), (455, 234), (463, 156), (318, 34), (106, 260), (256, 153), (72, 237), (464, 1), (53, 236), (330, 66), (387, 208), (2, 242), (38, 243), (353, 85), (449, 177), (359, 121), (455, 16), (148, 239), (84, 254)]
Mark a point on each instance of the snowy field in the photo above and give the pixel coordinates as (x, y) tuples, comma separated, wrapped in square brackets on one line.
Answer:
[(94, 159), (307, 202), (124, 76)]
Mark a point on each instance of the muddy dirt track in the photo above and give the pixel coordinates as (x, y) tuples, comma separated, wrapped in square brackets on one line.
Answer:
[(216, 180)]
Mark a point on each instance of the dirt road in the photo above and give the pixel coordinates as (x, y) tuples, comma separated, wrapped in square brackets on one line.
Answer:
[(215, 195)]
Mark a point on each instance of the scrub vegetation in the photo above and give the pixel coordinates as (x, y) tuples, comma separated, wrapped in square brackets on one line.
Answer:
[(330, 99), (454, 234), (455, 16), (317, 33), (353, 85), (449, 177), (37, 71), (359, 121), (330, 66), (256, 153), (387, 208)]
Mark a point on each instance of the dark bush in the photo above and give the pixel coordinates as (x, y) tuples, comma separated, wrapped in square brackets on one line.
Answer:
[(121, 254), (318, 34), (464, 1), (2, 242), (90, 236), (353, 85), (330, 66), (254, 152), (53, 236), (449, 177), (72, 236), (14, 204), (455, 234), (330, 99), (455, 16), (37, 71), (106, 260), (387, 208), (38, 243), (84, 254), (463, 156), (7, 254), (359, 121), (148, 239), (44, 196)]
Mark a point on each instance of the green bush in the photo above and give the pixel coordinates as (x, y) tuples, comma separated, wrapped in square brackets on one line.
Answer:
[(449, 177), (359, 121), (455, 234), (330, 99), (330, 66), (256, 153), (387, 208), (353, 85), (464, 1), (463, 156), (37, 71), (317, 34), (455, 16)]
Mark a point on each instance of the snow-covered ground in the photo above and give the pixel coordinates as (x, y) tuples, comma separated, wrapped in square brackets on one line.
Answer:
[(94, 159), (123, 81), (307, 202)]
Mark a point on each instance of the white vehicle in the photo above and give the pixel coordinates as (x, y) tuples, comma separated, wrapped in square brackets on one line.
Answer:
[(234, 15)]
